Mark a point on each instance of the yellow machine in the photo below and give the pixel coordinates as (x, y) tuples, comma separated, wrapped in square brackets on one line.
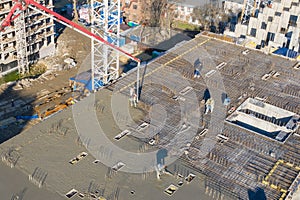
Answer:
[(48, 108)]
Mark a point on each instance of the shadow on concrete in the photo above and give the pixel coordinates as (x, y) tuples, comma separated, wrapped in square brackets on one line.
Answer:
[(223, 96), (172, 42), (189, 33), (147, 49), (206, 95), (258, 194), (160, 156), (142, 81), (16, 111), (147, 56)]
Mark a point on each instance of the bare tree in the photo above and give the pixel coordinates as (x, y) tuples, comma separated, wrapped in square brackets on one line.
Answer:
[(168, 16), (209, 15), (156, 10)]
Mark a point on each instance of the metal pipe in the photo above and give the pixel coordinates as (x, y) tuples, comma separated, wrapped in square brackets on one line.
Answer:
[(93, 50), (138, 81)]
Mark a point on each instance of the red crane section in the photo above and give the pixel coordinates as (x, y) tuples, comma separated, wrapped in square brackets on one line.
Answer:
[(12, 15), (22, 5)]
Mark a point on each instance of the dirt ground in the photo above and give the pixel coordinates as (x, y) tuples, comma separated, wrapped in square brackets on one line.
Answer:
[(69, 44)]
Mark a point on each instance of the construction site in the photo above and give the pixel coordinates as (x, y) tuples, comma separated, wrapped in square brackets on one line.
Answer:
[(239, 160), (219, 121)]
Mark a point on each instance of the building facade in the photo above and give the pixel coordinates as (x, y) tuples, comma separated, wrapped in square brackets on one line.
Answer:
[(276, 25), (184, 9), (39, 37), (135, 10)]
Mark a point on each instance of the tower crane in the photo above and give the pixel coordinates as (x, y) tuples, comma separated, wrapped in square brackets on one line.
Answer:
[(21, 5)]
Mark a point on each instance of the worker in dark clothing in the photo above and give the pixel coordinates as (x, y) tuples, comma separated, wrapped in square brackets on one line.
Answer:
[(198, 67), (196, 73)]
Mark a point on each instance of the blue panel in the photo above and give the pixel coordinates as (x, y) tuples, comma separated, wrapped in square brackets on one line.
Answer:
[(286, 52), (122, 42)]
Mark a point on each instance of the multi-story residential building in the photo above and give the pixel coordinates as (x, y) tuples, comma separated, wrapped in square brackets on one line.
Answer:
[(39, 37), (275, 25)]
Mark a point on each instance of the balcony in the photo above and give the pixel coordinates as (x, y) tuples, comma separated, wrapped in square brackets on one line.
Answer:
[(6, 40), (8, 50), (4, 11)]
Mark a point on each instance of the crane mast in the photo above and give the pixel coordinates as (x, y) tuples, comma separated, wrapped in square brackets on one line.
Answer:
[(105, 14)]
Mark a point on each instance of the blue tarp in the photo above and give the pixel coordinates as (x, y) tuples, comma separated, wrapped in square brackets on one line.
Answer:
[(122, 42), (286, 52), (27, 117), (85, 78), (113, 40)]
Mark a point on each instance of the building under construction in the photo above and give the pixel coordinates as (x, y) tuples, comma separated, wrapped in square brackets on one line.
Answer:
[(271, 23), (28, 44), (246, 148)]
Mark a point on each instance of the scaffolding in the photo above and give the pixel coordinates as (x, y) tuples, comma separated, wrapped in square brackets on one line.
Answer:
[(250, 7), (21, 45)]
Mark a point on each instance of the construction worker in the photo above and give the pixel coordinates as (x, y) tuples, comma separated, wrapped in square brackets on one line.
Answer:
[(226, 101), (210, 103), (196, 73), (131, 92), (198, 67), (132, 97)]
